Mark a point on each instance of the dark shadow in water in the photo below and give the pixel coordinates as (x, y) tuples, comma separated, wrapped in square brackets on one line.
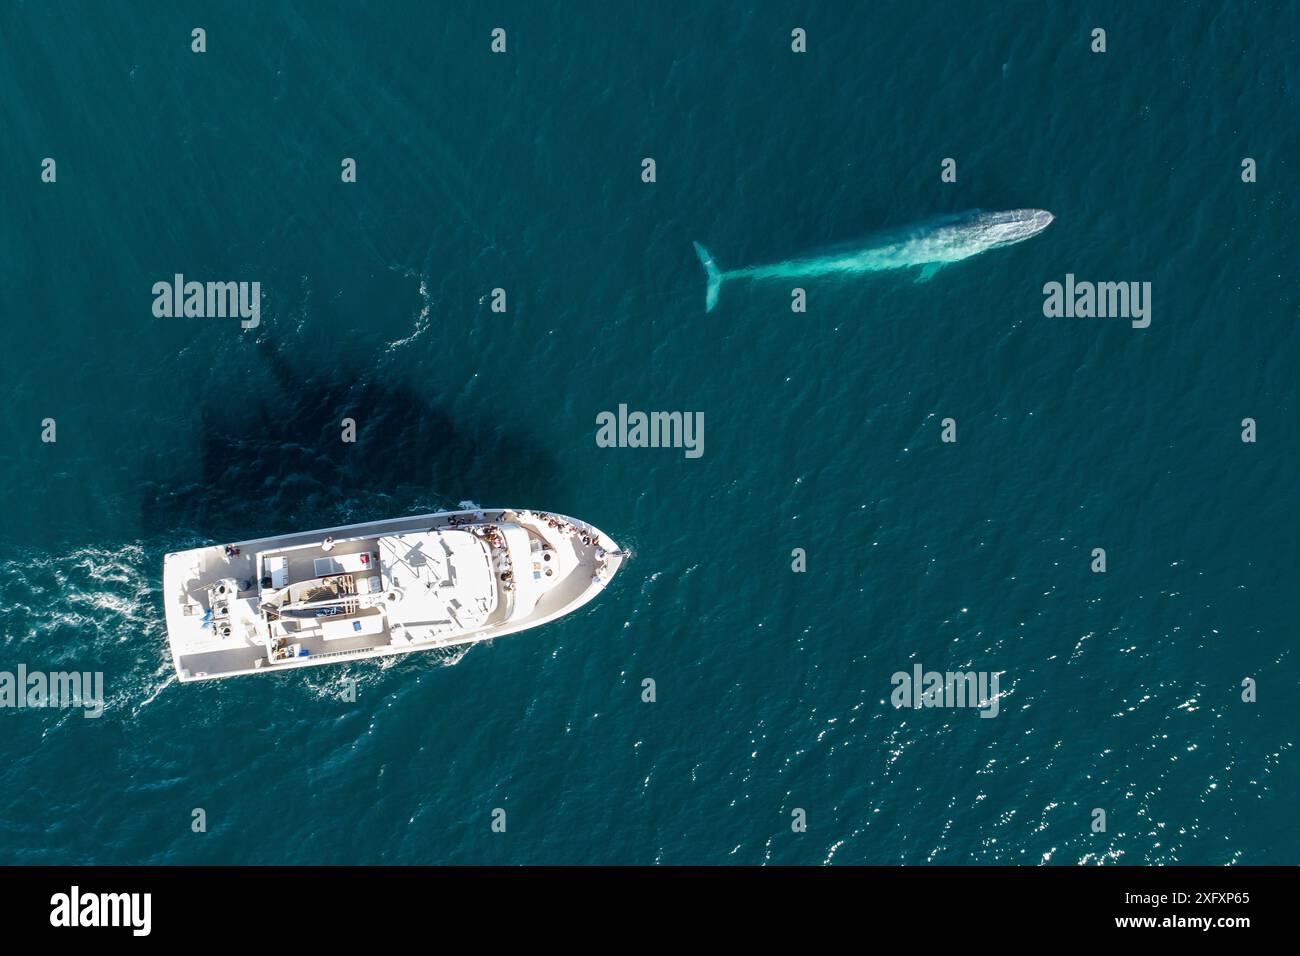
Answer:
[(274, 462)]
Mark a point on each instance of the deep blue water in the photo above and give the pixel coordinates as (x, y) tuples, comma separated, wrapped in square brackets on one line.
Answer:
[(1121, 691)]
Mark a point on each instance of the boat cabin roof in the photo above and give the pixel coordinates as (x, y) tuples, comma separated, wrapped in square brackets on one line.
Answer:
[(443, 580)]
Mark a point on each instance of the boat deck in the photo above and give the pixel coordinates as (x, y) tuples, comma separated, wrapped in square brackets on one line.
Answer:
[(553, 572)]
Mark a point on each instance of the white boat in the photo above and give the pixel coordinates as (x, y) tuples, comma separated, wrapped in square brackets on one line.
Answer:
[(372, 590)]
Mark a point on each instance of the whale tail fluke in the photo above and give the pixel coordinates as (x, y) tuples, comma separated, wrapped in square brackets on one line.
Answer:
[(715, 277)]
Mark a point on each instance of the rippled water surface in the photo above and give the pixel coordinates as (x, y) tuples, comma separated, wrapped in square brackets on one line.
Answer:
[(1119, 691)]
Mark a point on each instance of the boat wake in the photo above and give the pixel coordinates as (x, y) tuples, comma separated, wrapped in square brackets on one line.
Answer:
[(91, 610)]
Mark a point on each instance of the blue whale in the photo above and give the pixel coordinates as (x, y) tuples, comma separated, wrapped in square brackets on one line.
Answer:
[(930, 245)]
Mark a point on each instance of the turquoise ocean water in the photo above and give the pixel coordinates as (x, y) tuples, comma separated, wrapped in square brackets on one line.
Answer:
[(1121, 691)]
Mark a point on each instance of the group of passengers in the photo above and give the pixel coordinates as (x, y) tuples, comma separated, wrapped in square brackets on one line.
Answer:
[(586, 537), (497, 542), (565, 527), (477, 517), (493, 536)]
